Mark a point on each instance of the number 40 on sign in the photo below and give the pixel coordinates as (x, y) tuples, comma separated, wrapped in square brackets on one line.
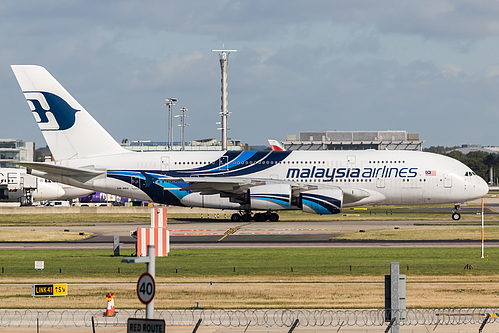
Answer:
[(146, 288)]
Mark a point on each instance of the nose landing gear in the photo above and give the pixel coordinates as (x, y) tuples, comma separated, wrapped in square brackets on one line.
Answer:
[(455, 212)]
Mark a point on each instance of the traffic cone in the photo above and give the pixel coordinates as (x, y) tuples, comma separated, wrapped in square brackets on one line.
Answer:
[(110, 305)]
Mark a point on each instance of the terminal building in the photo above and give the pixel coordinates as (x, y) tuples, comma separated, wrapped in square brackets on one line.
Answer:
[(353, 140), (196, 145), (469, 148), (13, 150)]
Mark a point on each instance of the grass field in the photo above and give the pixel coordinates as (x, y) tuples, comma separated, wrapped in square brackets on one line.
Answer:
[(260, 278), (426, 234), (30, 235), (63, 219), (277, 277), (269, 265)]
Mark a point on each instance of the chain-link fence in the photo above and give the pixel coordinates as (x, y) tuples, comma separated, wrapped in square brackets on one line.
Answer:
[(247, 318)]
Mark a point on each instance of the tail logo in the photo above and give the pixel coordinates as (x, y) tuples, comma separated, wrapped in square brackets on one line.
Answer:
[(51, 112)]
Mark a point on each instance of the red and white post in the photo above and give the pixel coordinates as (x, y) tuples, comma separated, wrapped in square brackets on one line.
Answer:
[(482, 231)]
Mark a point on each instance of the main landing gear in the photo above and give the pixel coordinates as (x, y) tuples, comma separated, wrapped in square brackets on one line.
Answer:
[(455, 212), (258, 217)]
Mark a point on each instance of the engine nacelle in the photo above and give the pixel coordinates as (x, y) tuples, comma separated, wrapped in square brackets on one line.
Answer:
[(196, 199), (270, 197), (322, 201)]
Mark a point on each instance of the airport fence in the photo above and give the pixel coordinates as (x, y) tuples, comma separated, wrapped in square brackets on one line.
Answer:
[(247, 318)]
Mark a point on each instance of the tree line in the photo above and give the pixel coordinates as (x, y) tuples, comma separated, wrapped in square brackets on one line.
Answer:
[(479, 161)]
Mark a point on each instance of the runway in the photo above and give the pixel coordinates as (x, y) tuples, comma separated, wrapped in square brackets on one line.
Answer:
[(320, 234)]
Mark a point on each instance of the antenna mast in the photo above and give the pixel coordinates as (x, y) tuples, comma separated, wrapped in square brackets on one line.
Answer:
[(224, 61)]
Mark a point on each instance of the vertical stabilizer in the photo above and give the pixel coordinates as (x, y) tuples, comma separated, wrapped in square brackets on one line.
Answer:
[(69, 130), (276, 145)]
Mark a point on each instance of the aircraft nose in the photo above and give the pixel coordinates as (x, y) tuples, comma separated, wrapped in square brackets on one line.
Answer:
[(482, 187)]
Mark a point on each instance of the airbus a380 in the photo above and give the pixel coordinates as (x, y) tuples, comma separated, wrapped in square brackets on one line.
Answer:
[(321, 182)]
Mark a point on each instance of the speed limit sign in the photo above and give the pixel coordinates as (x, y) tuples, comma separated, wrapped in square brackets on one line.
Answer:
[(146, 288)]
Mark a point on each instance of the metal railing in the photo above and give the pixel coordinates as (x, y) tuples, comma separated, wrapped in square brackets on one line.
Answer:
[(248, 318)]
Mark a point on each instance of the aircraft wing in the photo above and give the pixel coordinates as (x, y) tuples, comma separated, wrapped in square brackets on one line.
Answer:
[(60, 170), (233, 185), (210, 185)]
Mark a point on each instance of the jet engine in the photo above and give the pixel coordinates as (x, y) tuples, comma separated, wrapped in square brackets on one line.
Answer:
[(322, 201), (270, 197)]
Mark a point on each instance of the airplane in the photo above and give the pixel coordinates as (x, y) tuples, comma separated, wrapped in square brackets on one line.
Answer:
[(18, 186), (248, 182)]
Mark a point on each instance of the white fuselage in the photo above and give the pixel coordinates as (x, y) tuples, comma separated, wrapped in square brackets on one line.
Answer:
[(386, 177)]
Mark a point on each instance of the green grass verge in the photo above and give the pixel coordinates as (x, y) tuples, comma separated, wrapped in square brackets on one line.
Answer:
[(248, 263)]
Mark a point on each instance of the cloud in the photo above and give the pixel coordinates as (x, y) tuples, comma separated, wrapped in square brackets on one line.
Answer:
[(319, 65)]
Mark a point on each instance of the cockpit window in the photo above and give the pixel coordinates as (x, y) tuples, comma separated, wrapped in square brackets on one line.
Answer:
[(470, 173)]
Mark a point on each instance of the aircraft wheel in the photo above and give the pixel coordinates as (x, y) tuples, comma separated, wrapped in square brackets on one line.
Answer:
[(456, 216), (274, 217), (259, 217), (246, 217), (235, 217)]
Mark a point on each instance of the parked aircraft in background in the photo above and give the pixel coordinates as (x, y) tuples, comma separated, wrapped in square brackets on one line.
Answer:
[(18, 186), (321, 182)]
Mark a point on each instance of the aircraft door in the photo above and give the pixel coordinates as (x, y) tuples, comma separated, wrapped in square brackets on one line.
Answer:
[(448, 180), (13, 178), (380, 182), (165, 163), (224, 164), (4, 191), (135, 181)]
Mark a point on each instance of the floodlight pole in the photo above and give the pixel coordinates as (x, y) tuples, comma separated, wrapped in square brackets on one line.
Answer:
[(182, 125), (170, 102), (224, 62)]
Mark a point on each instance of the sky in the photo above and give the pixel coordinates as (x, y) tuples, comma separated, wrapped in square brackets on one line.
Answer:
[(428, 66)]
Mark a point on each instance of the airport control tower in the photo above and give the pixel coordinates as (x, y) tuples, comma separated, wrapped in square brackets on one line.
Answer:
[(224, 62)]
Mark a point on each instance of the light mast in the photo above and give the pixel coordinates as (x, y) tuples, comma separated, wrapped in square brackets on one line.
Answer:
[(224, 61)]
